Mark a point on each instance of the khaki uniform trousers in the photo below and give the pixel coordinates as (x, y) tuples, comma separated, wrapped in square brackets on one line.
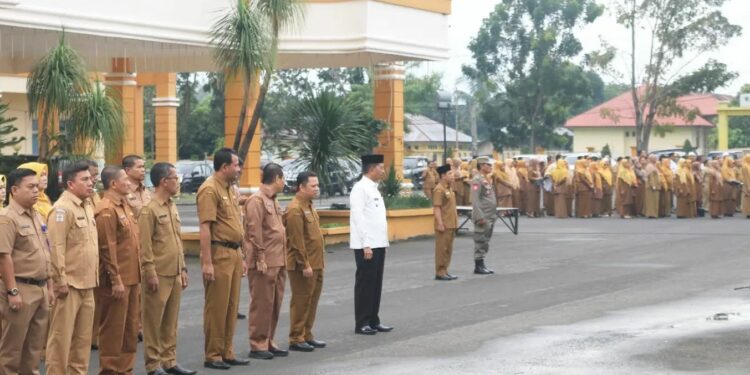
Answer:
[(222, 298), (119, 328), (97, 320), (69, 341), (443, 250), (24, 331), (266, 295), (304, 304), (161, 310)]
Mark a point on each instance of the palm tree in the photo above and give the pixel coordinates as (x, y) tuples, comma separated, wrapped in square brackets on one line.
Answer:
[(54, 84), (332, 132), (7, 129), (241, 40), (279, 14), (96, 118)]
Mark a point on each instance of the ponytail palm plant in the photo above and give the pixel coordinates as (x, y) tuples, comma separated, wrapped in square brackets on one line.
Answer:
[(96, 119), (55, 83)]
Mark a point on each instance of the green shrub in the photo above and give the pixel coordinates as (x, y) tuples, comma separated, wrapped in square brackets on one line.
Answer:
[(407, 202)]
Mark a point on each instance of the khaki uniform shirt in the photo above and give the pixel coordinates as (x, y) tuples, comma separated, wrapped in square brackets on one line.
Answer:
[(139, 196), (265, 236), (445, 198), (25, 239), (217, 205), (483, 199), (119, 245), (303, 236), (161, 244), (73, 242)]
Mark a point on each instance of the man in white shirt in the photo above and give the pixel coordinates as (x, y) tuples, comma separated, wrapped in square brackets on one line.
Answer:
[(368, 238)]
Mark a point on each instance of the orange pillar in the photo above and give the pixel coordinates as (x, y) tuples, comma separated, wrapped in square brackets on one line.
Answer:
[(389, 107), (122, 79), (233, 94), (165, 106)]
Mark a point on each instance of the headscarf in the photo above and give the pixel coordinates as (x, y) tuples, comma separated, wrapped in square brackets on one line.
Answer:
[(44, 204), (605, 171), (684, 174), (498, 171), (582, 170), (560, 172), (513, 173), (746, 167), (522, 170), (727, 170), (465, 170), (4, 186), (596, 175), (666, 170), (625, 173)]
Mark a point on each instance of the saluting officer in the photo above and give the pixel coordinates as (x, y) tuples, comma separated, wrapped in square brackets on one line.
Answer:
[(484, 213), (446, 222), (75, 270), (265, 243), (305, 262), (24, 266), (164, 273), (222, 262), (118, 292)]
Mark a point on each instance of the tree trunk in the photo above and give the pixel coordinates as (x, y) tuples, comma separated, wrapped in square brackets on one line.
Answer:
[(243, 112), (256, 116), (531, 138), (473, 122)]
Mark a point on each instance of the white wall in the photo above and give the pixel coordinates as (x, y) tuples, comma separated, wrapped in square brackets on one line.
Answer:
[(620, 145)]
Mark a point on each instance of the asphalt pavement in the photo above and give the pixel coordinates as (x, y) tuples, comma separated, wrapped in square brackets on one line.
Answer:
[(574, 296)]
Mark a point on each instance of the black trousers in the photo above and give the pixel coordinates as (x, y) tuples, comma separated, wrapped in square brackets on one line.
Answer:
[(368, 286)]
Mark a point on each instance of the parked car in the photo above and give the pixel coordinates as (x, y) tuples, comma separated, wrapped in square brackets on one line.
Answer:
[(659, 153), (193, 174), (341, 182), (573, 157), (414, 166), (736, 153)]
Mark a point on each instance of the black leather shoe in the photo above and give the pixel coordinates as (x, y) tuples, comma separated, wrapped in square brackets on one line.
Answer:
[(261, 354), (479, 268), (453, 277), (140, 336), (237, 362), (94, 348), (216, 365), (443, 278), (179, 370), (279, 352), (366, 330), (158, 371), (316, 343), (382, 328), (241, 316), (301, 347)]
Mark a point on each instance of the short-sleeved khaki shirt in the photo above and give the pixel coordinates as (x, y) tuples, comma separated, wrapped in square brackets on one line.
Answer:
[(444, 197), (23, 236), (161, 244), (139, 196), (217, 204), (305, 246), (73, 242)]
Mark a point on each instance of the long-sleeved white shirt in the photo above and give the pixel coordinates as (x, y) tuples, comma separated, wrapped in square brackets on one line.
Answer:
[(367, 223)]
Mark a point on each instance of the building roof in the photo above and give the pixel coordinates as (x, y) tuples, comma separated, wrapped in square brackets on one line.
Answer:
[(424, 129), (620, 112)]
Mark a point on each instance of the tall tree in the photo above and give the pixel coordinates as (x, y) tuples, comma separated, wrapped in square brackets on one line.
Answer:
[(525, 48), (7, 129), (53, 86), (676, 31)]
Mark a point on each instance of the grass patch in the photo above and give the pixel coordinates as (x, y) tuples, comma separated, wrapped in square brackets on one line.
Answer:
[(333, 225), (407, 202)]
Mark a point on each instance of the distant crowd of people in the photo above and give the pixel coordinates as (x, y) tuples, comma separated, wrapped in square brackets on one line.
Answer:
[(645, 186)]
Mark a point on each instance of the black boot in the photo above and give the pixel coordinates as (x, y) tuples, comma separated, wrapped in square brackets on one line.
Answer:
[(485, 267), (479, 268)]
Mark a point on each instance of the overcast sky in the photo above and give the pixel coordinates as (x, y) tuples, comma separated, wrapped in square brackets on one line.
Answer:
[(468, 15)]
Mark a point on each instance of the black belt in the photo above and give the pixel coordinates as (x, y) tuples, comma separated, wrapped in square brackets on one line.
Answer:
[(231, 245), (31, 281)]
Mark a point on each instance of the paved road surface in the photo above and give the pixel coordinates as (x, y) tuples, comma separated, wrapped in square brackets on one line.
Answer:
[(600, 296)]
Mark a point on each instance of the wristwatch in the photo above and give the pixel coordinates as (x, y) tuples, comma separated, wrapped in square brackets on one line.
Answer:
[(13, 292)]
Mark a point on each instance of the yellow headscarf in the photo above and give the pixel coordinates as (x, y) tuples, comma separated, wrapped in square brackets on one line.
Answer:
[(44, 204), (666, 170), (522, 170), (727, 169), (499, 172), (625, 172), (684, 172), (594, 172), (560, 172), (3, 185), (746, 167), (581, 169), (605, 171), (465, 170), (513, 173)]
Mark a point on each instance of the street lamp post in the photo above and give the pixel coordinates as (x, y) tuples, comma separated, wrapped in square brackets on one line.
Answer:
[(444, 104)]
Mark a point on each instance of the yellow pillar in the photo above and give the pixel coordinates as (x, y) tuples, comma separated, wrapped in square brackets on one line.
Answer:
[(722, 127), (122, 79), (233, 94), (389, 107), (165, 106)]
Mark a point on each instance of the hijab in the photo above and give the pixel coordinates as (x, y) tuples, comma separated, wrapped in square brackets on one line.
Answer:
[(625, 173), (560, 172), (605, 171), (498, 170), (44, 204), (582, 170), (684, 174), (727, 170), (523, 172), (512, 173), (594, 172)]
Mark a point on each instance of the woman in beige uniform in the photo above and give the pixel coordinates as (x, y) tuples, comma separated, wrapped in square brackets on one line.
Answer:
[(533, 189), (715, 189), (627, 184), (560, 181), (665, 198), (729, 177), (608, 187), (584, 189), (745, 175), (503, 186), (684, 190), (598, 193)]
